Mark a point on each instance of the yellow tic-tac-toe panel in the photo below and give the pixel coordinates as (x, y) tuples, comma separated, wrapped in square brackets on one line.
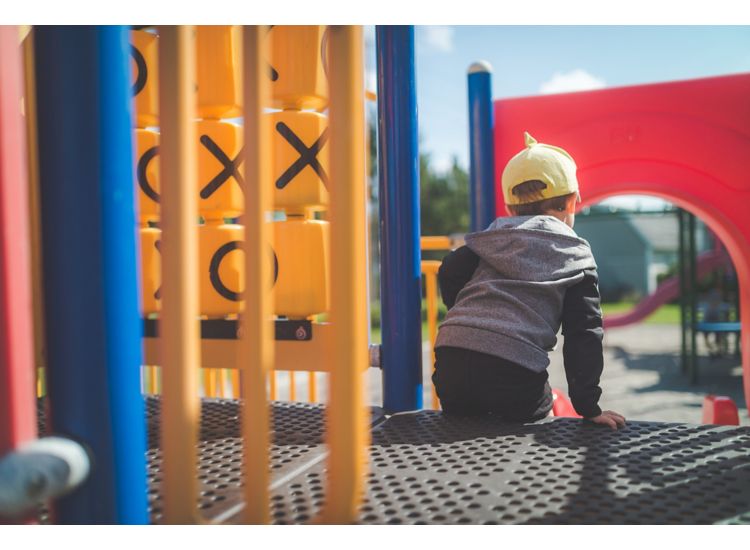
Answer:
[(219, 62), (303, 276), (147, 174), (300, 159), (222, 272), (298, 66), (219, 173), (144, 55), (151, 269)]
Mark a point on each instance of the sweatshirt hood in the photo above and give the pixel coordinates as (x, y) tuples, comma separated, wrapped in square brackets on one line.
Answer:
[(532, 248)]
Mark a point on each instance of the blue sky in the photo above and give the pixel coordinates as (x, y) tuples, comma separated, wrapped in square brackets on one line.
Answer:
[(529, 60)]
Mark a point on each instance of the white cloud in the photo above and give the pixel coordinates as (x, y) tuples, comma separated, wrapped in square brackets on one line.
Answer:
[(438, 37), (576, 80)]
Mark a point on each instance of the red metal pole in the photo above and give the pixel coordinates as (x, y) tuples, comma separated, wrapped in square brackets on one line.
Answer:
[(17, 392)]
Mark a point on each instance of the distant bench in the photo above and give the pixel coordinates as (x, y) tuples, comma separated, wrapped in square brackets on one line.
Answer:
[(717, 327)]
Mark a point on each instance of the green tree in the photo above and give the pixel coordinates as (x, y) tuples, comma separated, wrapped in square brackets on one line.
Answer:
[(444, 199)]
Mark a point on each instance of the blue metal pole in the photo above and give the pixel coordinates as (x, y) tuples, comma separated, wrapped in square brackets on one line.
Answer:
[(90, 271), (482, 165), (398, 161)]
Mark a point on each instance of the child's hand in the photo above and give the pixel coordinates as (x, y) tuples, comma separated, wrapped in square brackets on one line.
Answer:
[(609, 418)]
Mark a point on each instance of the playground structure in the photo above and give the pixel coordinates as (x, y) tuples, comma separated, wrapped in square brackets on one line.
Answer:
[(265, 461)]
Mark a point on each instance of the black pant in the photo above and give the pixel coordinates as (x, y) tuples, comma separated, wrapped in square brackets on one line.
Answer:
[(473, 383)]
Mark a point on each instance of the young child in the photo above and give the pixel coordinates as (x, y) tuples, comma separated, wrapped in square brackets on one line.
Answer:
[(509, 290)]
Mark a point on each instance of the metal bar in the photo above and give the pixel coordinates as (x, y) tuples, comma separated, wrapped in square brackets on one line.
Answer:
[(683, 290), (292, 387), (179, 251), (89, 259), (398, 158), (258, 328), (312, 384), (482, 155), (17, 408), (347, 420), (693, 302)]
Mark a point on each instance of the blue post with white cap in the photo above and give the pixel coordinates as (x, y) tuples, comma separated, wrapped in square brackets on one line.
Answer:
[(482, 157)]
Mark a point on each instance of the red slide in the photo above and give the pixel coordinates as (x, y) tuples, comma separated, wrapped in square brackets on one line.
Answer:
[(668, 290)]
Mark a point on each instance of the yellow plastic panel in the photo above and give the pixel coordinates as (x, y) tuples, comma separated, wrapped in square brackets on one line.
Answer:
[(147, 174), (144, 56), (219, 175), (219, 86), (298, 66), (300, 163), (303, 282), (151, 269), (221, 269)]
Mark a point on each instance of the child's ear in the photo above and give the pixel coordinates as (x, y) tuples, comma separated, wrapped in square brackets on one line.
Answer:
[(570, 204)]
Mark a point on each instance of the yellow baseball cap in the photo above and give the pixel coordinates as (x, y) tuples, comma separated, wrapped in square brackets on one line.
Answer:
[(539, 161)]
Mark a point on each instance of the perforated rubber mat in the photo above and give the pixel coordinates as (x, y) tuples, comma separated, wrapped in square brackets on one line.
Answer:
[(427, 467)]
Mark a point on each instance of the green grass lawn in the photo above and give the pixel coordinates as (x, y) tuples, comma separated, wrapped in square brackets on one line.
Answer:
[(668, 314)]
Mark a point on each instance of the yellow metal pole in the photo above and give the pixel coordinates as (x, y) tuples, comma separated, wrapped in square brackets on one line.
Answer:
[(257, 321), (429, 268), (30, 113), (347, 433), (223, 376), (236, 383), (179, 251), (312, 395), (272, 386)]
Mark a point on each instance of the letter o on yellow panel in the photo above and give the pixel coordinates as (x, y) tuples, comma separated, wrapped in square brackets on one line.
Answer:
[(298, 67), (144, 55), (300, 159), (222, 272), (219, 84), (151, 269), (219, 176), (147, 174), (303, 279)]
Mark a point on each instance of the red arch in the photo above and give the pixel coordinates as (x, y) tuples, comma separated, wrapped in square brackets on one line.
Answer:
[(687, 142)]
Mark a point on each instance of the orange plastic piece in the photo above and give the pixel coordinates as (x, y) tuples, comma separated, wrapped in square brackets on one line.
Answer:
[(300, 159), (561, 405), (687, 142), (302, 285), (147, 174), (219, 174), (719, 409), (219, 85), (151, 269), (298, 66), (222, 269), (145, 62)]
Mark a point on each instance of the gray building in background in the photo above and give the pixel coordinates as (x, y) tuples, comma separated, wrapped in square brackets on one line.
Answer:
[(632, 248)]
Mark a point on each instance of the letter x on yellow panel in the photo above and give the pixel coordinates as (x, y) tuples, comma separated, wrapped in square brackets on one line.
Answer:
[(219, 177), (300, 164), (145, 54), (298, 66)]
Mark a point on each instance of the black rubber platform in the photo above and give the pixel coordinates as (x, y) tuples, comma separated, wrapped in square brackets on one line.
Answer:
[(427, 467)]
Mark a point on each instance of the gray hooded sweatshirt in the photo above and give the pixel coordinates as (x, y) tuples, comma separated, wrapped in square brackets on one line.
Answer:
[(512, 306)]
